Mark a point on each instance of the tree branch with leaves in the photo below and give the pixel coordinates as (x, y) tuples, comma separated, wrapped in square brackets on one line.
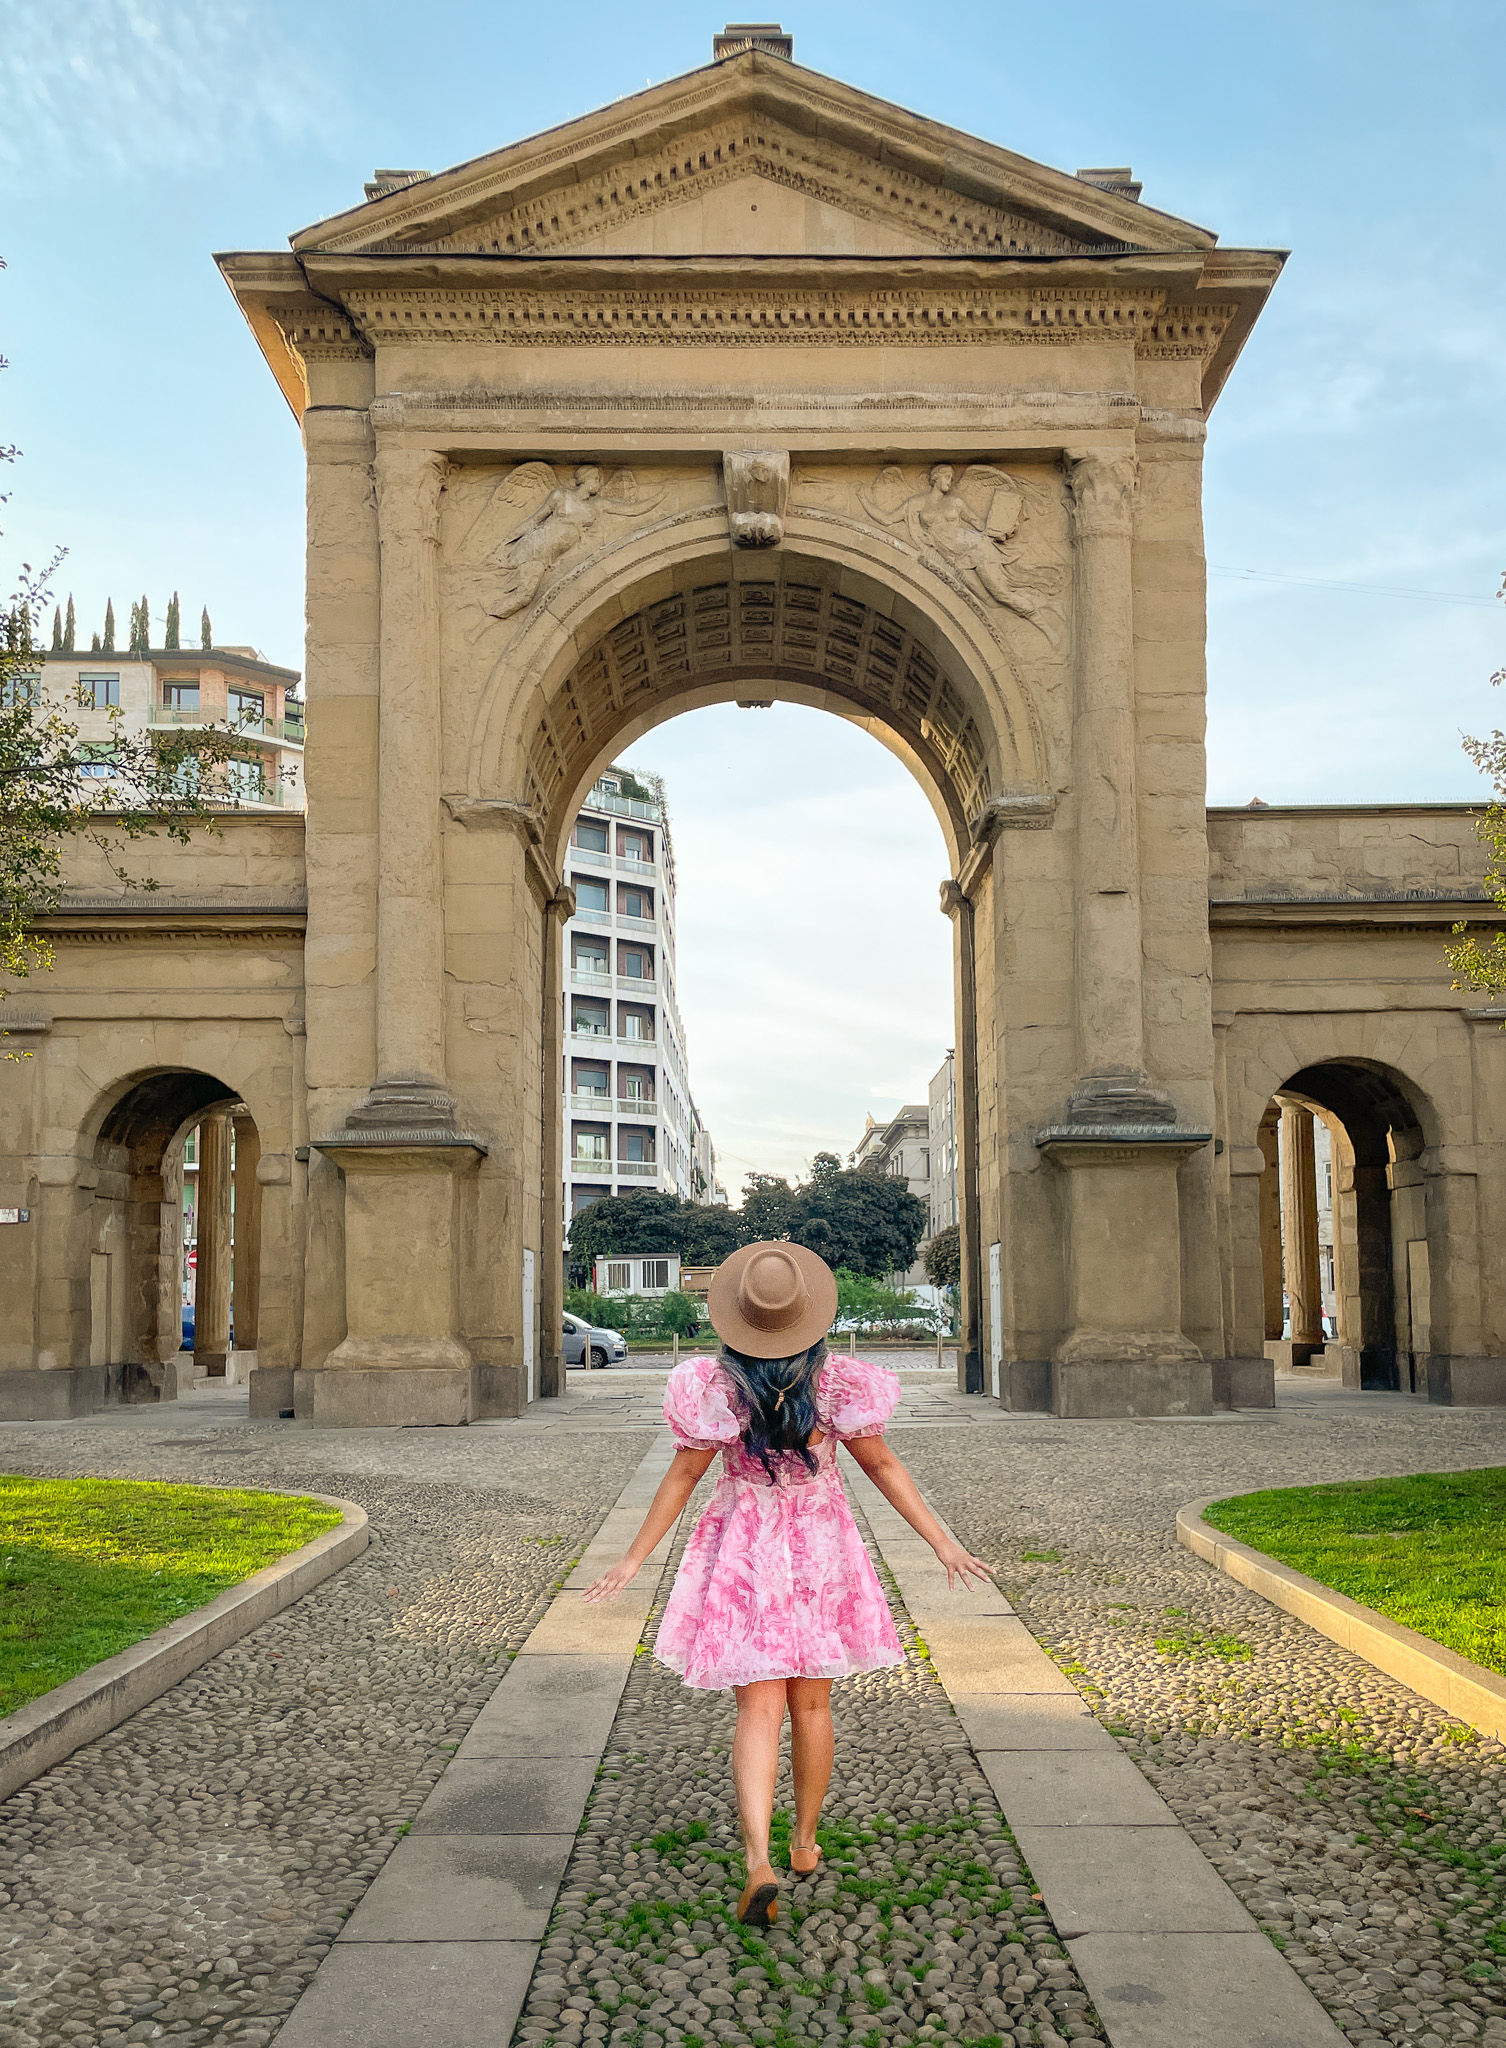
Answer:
[(1478, 961)]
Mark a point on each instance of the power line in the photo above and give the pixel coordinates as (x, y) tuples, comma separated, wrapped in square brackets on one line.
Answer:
[(1369, 589)]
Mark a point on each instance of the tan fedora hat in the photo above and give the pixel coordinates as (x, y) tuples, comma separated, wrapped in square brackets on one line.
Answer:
[(772, 1300)]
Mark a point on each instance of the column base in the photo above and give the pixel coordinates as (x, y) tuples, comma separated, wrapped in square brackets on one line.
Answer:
[(1463, 1382), (1142, 1386), (1244, 1383), (399, 1397), (1025, 1386), (1289, 1355), (271, 1393), (60, 1395)]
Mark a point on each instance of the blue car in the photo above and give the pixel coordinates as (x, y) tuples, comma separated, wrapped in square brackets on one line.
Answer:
[(188, 1308)]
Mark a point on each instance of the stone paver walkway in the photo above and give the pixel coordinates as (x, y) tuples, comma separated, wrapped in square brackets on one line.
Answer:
[(183, 1877)]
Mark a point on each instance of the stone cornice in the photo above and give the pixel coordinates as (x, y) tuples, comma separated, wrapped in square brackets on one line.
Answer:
[(1410, 910), (737, 314)]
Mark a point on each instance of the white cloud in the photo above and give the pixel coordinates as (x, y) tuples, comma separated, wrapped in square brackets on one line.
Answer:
[(132, 86)]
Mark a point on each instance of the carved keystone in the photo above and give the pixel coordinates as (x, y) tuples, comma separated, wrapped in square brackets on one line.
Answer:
[(758, 487)]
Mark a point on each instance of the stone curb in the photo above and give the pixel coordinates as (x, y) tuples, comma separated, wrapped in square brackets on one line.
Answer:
[(44, 1731), (1466, 1690)]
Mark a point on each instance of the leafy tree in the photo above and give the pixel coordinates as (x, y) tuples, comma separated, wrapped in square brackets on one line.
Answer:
[(173, 627), (70, 627), (647, 1225), (864, 1304), (868, 1222), (590, 1306), (942, 1257), (632, 787), (681, 1314), (771, 1208), (107, 645), (206, 631), (1480, 962)]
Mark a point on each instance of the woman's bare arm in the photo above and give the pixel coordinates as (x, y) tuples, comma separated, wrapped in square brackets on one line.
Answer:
[(668, 1504), (887, 1471)]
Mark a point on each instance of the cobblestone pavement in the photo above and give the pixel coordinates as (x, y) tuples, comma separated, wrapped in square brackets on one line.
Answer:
[(1364, 1829), (922, 1923), (181, 1878)]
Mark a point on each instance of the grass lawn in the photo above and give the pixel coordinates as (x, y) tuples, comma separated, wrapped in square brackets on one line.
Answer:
[(1428, 1551), (90, 1566)]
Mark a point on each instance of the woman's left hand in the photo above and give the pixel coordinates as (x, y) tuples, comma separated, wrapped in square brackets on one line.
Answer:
[(612, 1582), (959, 1564)]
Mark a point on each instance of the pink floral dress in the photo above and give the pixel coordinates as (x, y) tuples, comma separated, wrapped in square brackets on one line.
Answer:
[(775, 1581)]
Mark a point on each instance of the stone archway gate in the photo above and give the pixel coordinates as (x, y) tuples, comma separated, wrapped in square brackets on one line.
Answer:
[(749, 387)]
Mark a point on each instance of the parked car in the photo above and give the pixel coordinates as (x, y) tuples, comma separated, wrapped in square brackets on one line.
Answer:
[(587, 1346), (188, 1320)]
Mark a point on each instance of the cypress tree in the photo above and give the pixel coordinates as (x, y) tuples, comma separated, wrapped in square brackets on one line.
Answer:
[(174, 620), (57, 630), (70, 627), (94, 646), (206, 631), (107, 645)]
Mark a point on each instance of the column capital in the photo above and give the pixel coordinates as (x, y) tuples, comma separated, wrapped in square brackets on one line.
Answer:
[(409, 482), (1101, 491)]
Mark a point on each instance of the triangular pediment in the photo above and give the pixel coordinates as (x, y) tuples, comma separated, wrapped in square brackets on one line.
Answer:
[(751, 156)]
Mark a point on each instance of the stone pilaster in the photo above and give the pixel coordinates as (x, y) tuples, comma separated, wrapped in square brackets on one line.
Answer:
[(408, 1094), (1299, 1232), (211, 1322), (1110, 1010)]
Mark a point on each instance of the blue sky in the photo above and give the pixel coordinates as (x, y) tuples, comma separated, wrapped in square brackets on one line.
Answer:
[(1359, 442)]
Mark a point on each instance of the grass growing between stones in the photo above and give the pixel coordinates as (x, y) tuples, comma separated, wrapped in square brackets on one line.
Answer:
[(1429, 1551), (90, 1566)]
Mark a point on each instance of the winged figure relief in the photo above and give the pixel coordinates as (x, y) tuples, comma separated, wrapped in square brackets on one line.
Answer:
[(533, 520), (974, 524)]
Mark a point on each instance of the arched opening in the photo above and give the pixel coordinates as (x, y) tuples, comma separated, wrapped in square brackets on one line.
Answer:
[(172, 1237), (921, 678), (1344, 1246)]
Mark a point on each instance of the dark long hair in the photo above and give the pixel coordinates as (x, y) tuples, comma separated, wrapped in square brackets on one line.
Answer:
[(778, 1396)]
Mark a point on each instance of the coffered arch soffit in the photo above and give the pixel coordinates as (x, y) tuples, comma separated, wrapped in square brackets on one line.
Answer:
[(816, 622)]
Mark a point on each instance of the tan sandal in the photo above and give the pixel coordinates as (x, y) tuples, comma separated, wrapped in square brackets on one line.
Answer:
[(804, 1869), (759, 1904)]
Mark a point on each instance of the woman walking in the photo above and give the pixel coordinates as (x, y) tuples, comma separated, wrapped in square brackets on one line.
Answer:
[(776, 1596)]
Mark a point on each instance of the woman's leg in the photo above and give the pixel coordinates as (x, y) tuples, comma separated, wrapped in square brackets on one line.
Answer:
[(812, 1746), (755, 1762)]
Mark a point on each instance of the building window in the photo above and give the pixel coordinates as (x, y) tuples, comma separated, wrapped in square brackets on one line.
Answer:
[(181, 696), (655, 1273), (589, 894), (637, 1147), (95, 762), (635, 845), (592, 1080), (248, 710), (591, 1147), (634, 962), (247, 781), (619, 1276), (582, 1199), (635, 902), (592, 837), (589, 956), (20, 690), (102, 692), (636, 1024), (591, 1020)]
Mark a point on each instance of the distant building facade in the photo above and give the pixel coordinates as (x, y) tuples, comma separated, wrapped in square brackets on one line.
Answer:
[(165, 688), (629, 1118), (942, 1096), (901, 1148)]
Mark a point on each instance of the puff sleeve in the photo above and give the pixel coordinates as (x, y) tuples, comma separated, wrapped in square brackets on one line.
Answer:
[(854, 1398), (697, 1408)]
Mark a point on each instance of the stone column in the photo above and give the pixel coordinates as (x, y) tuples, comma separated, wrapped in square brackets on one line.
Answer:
[(956, 904), (246, 1283), (1270, 1221), (1110, 1022), (408, 1092), (1120, 1144), (1299, 1233), (211, 1316)]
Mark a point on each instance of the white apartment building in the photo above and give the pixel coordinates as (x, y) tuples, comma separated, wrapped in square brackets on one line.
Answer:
[(160, 688), (942, 1095), (629, 1119)]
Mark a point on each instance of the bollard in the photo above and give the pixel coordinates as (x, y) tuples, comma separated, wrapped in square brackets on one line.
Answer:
[(938, 1347), (676, 1341)]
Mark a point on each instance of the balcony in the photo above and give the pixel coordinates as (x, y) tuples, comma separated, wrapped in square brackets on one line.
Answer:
[(643, 1169), (645, 1106), (591, 1104), (602, 1032), (627, 865), (589, 857), (631, 984), (591, 984), (600, 920), (622, 1039), (594, 1169), (635, 924), (622, 807)]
